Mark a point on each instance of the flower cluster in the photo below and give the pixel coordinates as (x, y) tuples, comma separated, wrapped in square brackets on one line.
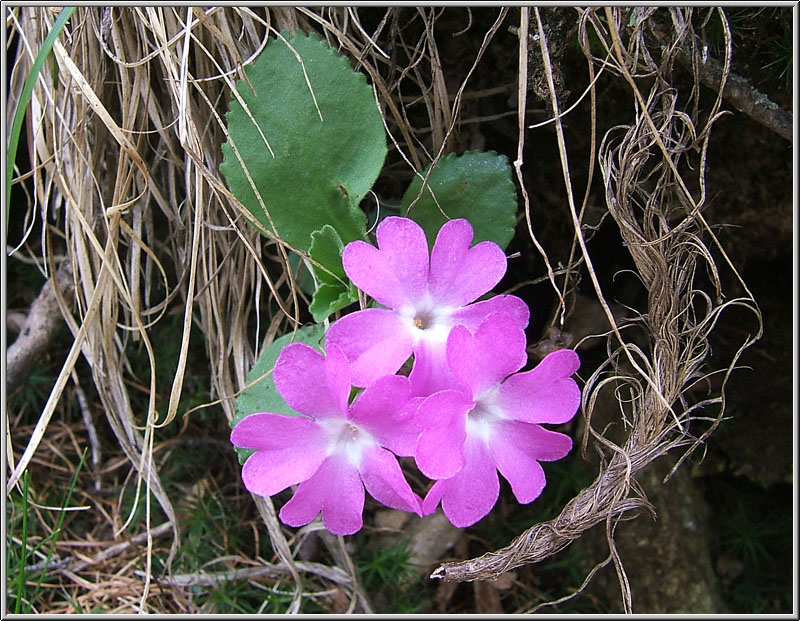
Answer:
[(463, 412)]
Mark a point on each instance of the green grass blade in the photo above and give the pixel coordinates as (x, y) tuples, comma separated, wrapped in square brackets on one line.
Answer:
[(25, 97), (61, 516), (24, 555)]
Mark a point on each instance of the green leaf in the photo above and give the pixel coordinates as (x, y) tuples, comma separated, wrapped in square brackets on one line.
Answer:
[(309, 171), (332, 297), (326, 249), (476, 186), (263, 396), (335, 291)]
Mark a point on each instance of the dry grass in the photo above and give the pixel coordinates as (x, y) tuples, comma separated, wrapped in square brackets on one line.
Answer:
[(662, 225), (124, 144)]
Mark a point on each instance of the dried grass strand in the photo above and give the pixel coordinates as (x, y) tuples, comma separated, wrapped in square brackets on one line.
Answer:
[(657, 417)]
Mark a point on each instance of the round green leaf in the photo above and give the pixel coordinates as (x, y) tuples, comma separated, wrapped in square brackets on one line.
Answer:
[(313, 141), (476, 186)]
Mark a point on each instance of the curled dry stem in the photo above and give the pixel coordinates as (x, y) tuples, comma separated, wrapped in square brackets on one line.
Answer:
[(662, 225)]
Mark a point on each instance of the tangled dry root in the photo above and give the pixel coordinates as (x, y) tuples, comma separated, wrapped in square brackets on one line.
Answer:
[(662, 226)]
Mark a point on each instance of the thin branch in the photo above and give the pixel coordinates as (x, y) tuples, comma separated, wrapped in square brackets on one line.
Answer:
[(39, 330), (738, 90), (215, 578), (71, 564)]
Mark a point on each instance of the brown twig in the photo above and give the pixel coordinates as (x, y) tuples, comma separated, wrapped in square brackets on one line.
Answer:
[(215, 578), (71, 564), (39, 329), (744, 97), (738, 91)]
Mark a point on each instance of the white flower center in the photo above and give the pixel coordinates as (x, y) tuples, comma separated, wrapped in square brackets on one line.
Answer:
[(427, 321), (346, 438), (486, 413)]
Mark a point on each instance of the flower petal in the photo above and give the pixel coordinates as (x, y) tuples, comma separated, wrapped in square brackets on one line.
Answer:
[(274, 431), (375, 340), (289, 450), (546, 393), (395, 273), (471, 494), (312, 383), (483, 360), (516, 449), (473, 315), (384, 480), (336, 490), (386, 411), (442, 418), (430, 372), (460, 274), (434, 496), (268, 472)]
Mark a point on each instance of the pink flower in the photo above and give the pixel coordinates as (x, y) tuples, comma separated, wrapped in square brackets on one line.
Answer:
[(424, 297), (338, 450), (491, 420)]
